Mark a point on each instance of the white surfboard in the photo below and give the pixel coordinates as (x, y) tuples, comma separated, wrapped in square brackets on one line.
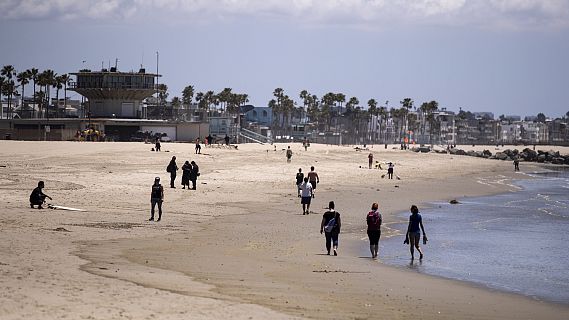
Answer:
[(51, 206)]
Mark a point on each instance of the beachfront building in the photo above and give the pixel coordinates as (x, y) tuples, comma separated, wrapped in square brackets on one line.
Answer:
[(114, 94)]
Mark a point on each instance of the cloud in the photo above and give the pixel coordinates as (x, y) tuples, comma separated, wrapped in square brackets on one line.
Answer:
[(514, 14)]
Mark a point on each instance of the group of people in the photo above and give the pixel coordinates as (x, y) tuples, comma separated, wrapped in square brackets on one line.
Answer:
[(331, 225), (306, 186)]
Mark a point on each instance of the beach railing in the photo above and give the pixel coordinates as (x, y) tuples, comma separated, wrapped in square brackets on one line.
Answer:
[(252, 136)]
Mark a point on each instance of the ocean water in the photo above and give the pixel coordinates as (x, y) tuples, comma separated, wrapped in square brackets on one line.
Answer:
[(516, 242)]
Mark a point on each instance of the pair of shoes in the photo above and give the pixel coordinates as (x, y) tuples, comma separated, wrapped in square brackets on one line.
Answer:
[(335, 252), (151, 219)]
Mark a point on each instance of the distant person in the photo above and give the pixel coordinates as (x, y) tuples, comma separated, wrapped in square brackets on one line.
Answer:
[(288, 154), (314, 179), (305, 144), (331, 225), (516, 164), (299, 179), (194, 174), (374, 221), (198, 147), (186, 169), (370, 160), (156, 198), (37, 197), (390, 167), (414, 232), (172, 168), (226, 139), (306, 196), (157, 147)]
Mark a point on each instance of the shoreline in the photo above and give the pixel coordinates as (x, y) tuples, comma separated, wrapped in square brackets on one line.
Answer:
[(238, 245), (221, 286)]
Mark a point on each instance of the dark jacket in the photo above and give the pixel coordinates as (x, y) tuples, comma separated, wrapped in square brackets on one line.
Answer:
[(194, 173)]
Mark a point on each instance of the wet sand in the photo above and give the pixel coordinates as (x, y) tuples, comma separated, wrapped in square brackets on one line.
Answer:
[(238, 246)]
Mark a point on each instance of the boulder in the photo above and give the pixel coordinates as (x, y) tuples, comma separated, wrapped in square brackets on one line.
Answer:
[(541, 158), (471, 153), (501, 156), (424, 149), (558, 160), (486, 153)]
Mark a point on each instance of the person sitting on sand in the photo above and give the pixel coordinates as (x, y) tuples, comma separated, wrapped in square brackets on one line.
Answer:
[(156, 198), (314, 179), (331, 225), (306, 196), (299, 179), (37, 197), (374, 220), (414, 233)]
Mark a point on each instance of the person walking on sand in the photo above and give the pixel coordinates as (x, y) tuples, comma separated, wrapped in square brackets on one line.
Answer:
[(186, 169), (194, 174), (374, 221), (156, 198), (370, 160), (414, 233), (390, 170), (37, 197), (314, 179), (226, 139), (288, 154), (516, 164), (331, 225), (306, 196), (157, 146), (172, 168), (299, 179), (198, 147)]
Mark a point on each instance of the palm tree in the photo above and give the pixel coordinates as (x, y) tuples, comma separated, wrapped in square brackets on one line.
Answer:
[(408, 104), (9, 88), (382, 113), (57, 85), (188, 95), (8, 72), (65, 79), (2, 80), (428, 109), (23, 79), (34, 77), (371, 111), (46, 79)]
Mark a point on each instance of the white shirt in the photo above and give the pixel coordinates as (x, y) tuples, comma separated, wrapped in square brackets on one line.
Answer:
[(306, 189)]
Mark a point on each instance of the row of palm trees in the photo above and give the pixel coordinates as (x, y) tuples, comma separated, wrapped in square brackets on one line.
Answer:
[(333, 113), (45, 81), (226, 100)]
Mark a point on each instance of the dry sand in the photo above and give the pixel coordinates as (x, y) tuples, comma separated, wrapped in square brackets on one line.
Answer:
[(239, 246)]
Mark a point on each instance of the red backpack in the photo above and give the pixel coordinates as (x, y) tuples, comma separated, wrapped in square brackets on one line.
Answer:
[(374, 220)]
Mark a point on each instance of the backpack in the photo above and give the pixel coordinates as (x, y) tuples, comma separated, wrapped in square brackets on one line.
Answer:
[(374, 220), (169, 168), (330, 225)]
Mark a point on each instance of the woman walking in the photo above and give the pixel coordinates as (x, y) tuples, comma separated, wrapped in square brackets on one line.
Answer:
[(186, 169), (194, 173), (374, 220), (414, 233), (331, 225)]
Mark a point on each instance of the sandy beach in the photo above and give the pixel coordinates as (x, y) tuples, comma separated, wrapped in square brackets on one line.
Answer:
[(238, 247)]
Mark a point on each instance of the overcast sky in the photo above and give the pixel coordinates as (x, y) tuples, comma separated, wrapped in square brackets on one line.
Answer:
[(503, 56)]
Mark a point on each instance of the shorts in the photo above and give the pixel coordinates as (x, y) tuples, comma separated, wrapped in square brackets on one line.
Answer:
[(390, 170), (374, 236), (414, 237), (313, 183), (305, 200)]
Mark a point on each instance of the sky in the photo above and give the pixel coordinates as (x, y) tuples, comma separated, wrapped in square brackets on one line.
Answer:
[(503, 56)]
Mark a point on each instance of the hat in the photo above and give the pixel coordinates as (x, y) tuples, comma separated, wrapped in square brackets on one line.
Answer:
[(157, 179)]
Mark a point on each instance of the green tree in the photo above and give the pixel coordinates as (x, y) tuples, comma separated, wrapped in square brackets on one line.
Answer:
[(541, 117), (188, 95), (34, 77), (23, 78), (8, 85)]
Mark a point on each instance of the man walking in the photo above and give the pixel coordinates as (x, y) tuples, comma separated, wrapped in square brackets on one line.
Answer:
[(156, 198), (172, 168), (306, 191), (314, 179), (299, 179)]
